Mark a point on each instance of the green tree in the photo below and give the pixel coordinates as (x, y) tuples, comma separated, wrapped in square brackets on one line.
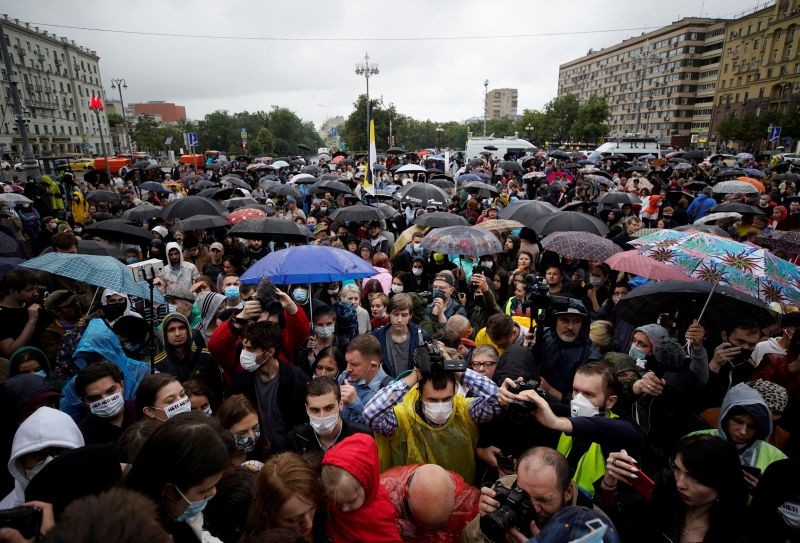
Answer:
[(219, 131), (540, 128), (263, 143), (288, 130), (145, 134), (590, 120), (169, 131), (561, 113), (115, 119)]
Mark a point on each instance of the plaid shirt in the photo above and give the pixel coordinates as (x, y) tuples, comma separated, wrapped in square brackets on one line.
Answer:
[(483, 407)]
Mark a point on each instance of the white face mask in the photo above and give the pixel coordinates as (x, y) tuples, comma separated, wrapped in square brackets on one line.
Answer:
[(324, 331), (324, 425), (790, 513), (207, 410), (108, 407), (181, 405), (248, 361), (616, 299), (32, 472), (487, 263), (416, 271), (437, 412), (595, 281), (580, 406), (397, 289)]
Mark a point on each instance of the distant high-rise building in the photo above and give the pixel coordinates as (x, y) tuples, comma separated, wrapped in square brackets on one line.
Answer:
[(169, 112), (57, 78), (329, 131), (659, 84), (501, 104)]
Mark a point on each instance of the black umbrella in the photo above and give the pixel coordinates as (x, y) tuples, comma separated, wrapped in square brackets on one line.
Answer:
[(329, 177), (490, 147), (558, 153), (640, 169), (210, 192), (737, 207), (153, 167), (330, 185), (787, 177), (119, 230), (378, 167), (242, 158), (695, 185), (440, 219), (694, 155), (422, 195), (442, 183), (381, 194), (213, 167), (236, 182), (356, 213), (731, 172), (311, 170), (201, 222), (92, 247), (685, 299), (142, 212), (569, 221), (707, 228), (140, 165), (270, 229), (152, 186), (572, 166), (387, 211), (572, 206), (304, 147), (222, 194), (512, 166), (479, 187), (285, 191), (527, 211), (97, 196), (435, 171), (675, 196), (236, 203), (474, 163), (395, 151), (191, 178), (617, 199), (8, 245), (191, 206)]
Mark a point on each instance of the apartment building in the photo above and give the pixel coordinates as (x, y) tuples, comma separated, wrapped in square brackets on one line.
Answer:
[(501, 104), (660, 84), (57, 78)]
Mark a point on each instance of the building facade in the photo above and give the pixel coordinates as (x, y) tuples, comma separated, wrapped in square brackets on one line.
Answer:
[(501, 104), (57, 78), (760, 65), (660, 84), (169, 113)]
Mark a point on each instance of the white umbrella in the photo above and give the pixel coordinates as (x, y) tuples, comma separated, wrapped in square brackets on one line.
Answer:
[(411, 168), (744, 156), (734, 187), (301, 176), (728, 216), (280, 164), (14, 198)]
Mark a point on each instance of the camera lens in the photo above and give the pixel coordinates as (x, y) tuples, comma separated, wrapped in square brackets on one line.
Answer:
[(495, 525)]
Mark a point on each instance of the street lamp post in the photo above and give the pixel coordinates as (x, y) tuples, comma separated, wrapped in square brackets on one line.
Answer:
[(529, 129), (120, 84), (485, 104), (367, 70), (96, 105), (645, 61), (439, 130)]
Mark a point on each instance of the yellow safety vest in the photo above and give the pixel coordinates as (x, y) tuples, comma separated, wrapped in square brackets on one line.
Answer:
[(591, 466), (451, 446)]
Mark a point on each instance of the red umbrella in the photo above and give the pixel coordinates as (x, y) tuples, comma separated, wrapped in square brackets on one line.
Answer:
[(638, 264), (337, 159), (243, 214)]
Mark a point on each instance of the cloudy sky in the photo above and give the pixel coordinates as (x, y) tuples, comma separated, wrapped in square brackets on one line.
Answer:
[(433, 55)]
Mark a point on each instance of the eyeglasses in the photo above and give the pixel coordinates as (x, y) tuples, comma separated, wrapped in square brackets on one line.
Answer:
[(480, 365)]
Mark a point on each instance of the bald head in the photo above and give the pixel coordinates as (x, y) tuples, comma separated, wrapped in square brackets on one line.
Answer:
[(431, 495)]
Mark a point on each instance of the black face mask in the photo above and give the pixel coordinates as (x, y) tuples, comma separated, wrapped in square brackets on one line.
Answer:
[(113, 311), (742, 357)]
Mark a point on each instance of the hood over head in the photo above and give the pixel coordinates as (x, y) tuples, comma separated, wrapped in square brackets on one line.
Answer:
[(174, 245), (654, 332), (45, 428), (176, 317), (747, 398), (209, 303), (23, 394)]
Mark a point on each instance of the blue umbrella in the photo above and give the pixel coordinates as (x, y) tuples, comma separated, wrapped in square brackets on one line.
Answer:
[(101, 271), (308, 264), (752, 172), (152, 186), (469, 177), (8, 263), (586, 162)]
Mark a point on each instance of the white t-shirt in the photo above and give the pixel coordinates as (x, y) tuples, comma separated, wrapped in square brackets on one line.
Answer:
[(768, 346)]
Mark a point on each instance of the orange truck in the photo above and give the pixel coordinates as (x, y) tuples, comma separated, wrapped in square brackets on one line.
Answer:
[(115, 163)]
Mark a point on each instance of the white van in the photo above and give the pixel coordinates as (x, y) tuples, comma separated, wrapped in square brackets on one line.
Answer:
[(630, 147), (509, 144)]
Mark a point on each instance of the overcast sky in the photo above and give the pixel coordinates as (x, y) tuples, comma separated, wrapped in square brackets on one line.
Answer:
[(428, 79)]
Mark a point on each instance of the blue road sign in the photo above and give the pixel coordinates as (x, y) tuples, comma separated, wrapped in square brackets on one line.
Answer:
[(192, 139), (774, 133)]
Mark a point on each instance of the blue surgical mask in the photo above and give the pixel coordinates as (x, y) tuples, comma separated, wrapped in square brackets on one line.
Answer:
[(194, 509), (131, 260), (300, 295), (232, 292), (41, 373), (636, 353)]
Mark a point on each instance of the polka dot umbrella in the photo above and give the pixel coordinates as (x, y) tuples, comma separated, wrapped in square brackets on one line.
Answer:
[(243, 214)]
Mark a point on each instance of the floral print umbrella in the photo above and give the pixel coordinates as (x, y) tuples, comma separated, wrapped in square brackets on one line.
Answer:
[(747, 268), (581, 245)]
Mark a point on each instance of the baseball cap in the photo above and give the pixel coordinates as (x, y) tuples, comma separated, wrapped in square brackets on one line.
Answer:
[(59, 298), (575, 307), (217, 245), (447, 277), (290, 200)]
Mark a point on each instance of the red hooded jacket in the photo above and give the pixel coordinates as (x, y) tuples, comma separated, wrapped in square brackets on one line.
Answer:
[(374, 521), (465, 507)]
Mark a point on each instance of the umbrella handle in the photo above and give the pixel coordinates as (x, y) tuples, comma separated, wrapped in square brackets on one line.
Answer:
[(702, 312)]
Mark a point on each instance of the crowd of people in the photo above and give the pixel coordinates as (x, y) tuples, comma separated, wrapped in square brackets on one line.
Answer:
[(448, 397)]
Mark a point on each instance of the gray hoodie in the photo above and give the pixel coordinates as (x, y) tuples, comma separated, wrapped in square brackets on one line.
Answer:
[(748, 398)]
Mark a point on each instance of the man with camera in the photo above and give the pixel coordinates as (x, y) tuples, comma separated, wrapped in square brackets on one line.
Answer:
[(269, 304), (591, 430), (501, 332), (518, 506), (420, 418)]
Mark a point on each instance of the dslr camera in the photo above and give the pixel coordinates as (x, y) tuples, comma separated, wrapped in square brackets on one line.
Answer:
[(430, 360), (515, 511), (538, 294), (519, 412)]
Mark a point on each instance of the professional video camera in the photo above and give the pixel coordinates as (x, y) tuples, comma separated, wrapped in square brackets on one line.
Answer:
[(520, 411), (430, 360), (538, 294), (668, 355), (515, 511)]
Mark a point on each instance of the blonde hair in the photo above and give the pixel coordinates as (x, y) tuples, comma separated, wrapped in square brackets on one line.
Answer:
[(601, 333), (347, 289), (336, 479)]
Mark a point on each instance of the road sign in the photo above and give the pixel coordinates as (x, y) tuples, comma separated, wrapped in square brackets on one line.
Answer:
[(168, 141), (192, 139), (774, 133)]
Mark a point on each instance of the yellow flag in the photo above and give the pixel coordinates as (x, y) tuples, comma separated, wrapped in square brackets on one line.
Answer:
[(369, 179)]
